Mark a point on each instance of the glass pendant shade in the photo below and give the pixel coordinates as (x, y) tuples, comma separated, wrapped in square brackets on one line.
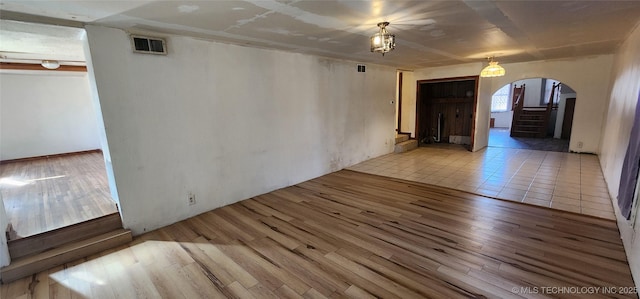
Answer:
[(492, 70), (383, 41), (50, 64)]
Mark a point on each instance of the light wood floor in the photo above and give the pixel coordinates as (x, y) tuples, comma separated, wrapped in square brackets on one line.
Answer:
[(355, 235), (48, 193)]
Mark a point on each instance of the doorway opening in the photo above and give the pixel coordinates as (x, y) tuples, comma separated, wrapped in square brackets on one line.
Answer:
[(53, 146), (534, 113), (445, 111)]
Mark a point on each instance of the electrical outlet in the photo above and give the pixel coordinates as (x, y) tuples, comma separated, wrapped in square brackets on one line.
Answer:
[(580, 144), (192, 199)]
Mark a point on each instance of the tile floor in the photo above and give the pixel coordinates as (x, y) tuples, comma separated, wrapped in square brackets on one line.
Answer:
[(564, 181)]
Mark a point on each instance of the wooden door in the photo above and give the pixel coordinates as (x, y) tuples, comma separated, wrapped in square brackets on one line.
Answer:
[(568, 118)]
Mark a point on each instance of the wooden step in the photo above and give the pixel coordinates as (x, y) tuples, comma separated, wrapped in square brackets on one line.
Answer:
[(31, 264), (528, 128), (55, 238), (406, 146), (402, 138)]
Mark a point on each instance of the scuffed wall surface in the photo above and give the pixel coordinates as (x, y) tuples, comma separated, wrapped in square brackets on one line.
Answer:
[(228, 122), (45, 113), (625, 88)]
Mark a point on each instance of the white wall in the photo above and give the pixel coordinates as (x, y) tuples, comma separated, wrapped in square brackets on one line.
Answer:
[(502, 119), (532, 92), (617, 128), (408, 121), (45, 113), (228, 122)]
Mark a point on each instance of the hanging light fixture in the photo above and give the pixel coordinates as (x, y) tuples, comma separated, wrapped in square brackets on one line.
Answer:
[(492, 70), (383, 41), (50, 64)]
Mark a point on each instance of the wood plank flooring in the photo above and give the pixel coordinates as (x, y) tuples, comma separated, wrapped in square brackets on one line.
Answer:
[(48, 193), (351, 234)]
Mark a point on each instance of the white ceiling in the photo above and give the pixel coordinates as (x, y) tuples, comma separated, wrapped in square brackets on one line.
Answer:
[(429, 33)]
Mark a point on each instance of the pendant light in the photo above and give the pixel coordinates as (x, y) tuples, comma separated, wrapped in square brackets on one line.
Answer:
[(383, 41), (492, 70)]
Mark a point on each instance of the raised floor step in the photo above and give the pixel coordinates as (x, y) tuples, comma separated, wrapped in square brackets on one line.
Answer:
[(55, 238), (402, 138), (406, 146), (35, 263)]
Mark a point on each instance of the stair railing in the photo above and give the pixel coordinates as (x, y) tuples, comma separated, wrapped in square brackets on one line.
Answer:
[(547, 115), (518, 103)]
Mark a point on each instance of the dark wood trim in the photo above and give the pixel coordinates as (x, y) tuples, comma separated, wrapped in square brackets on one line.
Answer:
[(475, 103), (399, 102), (465, 78), (49, 156), (37, 67), (475, 113)]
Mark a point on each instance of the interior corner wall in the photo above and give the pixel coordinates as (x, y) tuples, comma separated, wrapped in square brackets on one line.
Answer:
[(408, 121), (227, 122), (45, 113), (623, 98)]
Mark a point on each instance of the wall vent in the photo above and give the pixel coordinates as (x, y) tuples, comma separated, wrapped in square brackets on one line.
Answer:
[(148, 45)]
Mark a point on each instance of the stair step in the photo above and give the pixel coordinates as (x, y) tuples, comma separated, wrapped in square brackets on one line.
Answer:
[(402, 138), (406, 146), (528, 127), (55, 238), (531, 120), (35, 263)]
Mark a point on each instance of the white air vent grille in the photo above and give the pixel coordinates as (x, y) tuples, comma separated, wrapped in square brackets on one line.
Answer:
[(148, 45)]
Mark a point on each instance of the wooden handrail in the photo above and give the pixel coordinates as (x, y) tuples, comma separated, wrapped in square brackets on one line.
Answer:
[(518, 93)]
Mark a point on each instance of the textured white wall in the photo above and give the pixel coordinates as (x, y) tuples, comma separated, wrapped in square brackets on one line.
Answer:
[(408, 120), (228, 122), (503, 119), (617, 128), (45, 113)]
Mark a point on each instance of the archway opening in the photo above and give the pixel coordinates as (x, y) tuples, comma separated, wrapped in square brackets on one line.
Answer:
[(535, 113)]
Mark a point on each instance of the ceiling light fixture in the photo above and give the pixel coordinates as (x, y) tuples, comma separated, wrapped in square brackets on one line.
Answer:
[(492, 70), (383, 41), (50, 64)]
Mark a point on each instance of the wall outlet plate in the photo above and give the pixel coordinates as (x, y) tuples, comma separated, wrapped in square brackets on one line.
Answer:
[(192, 199)]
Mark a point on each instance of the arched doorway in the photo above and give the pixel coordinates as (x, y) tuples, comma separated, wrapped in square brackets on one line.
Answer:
[(535, 113)]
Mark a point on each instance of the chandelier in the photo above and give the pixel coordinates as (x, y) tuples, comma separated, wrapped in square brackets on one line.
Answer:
[(383, 41)]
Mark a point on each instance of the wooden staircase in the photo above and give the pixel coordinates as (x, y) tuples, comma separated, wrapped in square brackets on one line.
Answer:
[(404, 144), (530, 121), (50, 249)]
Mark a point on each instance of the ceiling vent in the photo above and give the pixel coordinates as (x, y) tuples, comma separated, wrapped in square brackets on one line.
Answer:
[(148, 45)]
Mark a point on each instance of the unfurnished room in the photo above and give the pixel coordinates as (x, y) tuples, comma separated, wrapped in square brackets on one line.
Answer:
[(319, 149)]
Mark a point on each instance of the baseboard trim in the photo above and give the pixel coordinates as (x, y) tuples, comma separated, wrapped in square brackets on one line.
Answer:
[(49, 156)]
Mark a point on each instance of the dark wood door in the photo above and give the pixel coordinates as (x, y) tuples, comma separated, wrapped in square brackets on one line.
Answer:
[(568, 118)]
